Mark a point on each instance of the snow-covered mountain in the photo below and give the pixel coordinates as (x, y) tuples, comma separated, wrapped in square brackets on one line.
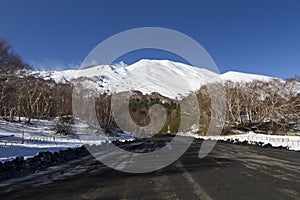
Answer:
[(168, 78)]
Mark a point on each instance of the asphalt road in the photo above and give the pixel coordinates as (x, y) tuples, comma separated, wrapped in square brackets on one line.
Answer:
[(230, 171)]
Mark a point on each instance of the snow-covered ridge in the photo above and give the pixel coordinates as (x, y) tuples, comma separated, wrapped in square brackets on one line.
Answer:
[(168, 78), (244, 77)]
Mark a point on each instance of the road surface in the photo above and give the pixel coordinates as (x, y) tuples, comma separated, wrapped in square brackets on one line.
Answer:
[(230, 171)]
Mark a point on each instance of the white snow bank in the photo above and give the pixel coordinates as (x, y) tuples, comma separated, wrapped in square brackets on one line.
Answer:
[(290, 142)]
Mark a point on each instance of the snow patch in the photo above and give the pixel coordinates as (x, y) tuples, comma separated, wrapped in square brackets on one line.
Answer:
[(40, 136)]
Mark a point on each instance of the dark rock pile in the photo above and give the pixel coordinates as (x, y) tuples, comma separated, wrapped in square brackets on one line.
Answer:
[(21, 167), (246, 143)]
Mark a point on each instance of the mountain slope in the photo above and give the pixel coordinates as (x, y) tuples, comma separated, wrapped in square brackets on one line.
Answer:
[(168, 78)]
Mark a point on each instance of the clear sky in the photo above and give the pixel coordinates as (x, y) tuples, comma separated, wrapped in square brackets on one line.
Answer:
[(245, 35)]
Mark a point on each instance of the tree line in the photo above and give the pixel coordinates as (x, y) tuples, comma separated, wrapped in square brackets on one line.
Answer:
[(268, 107), (24, 95)]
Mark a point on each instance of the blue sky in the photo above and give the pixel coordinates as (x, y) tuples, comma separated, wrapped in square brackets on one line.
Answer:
[(250, 36)]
